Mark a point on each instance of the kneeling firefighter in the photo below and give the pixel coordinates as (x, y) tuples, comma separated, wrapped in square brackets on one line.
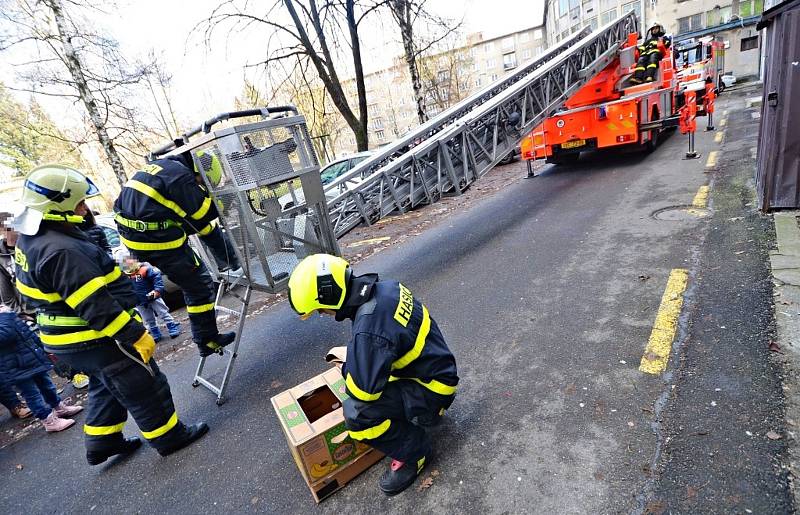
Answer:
[(400, 375), (85, 314), (156, 210)]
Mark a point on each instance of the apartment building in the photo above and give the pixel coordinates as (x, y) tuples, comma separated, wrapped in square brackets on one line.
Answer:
[(448, 76), (732, 22)]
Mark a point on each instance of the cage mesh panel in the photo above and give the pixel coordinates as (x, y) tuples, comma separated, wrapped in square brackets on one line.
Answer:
[(261, 167)]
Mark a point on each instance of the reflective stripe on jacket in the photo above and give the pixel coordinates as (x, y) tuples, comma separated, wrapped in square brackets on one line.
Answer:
[(395, 338), (164, 190), (82, 296)]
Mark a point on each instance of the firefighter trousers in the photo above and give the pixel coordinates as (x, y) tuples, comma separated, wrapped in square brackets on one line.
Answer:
[(395, 423), (647, 66), (185, 269), (118, 385)]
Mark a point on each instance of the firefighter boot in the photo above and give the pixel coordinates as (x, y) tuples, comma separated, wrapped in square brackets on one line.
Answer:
[(216, 344), (127, 446), (174, 329), (193, 433), (400, 476)]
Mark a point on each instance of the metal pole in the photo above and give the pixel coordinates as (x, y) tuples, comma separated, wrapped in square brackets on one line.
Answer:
[(710, 120), (691, 154)]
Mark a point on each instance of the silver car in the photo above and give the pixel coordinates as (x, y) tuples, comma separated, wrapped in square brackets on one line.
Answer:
[(328, 174)]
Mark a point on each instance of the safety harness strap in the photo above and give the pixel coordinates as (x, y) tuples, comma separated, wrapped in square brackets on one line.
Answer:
[(142, 226)]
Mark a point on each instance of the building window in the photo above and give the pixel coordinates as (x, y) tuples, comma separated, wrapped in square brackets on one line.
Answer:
[(509, 61), (507, 43), (524, 37), (478, 82), (592, 23), (690, 23), (490, 64), (463, 86), (537, 34), (608, 16), (476, 66), (749, 8), (636, 7), (381, 135), (750, 43), (488, 47), (526, 54), (716, 17), (494, 77), (443, 75), (377, 123), (563, 7), (372, 109), (444, 94)]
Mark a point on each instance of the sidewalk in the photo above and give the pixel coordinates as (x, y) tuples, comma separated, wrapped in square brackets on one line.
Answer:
[(785, 262)]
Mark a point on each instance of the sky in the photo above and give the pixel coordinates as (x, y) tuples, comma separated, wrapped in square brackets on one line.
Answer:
[(207, 79)]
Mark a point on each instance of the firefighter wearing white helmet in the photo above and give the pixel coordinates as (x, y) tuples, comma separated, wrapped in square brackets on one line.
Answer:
[(156, 210), (399, 374), (85, 314), (656, 43)]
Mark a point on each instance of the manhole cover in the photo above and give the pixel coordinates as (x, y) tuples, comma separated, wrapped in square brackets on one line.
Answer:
[(680, 213)]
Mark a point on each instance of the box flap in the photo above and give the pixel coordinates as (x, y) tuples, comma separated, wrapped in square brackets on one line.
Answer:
[(294, 422)]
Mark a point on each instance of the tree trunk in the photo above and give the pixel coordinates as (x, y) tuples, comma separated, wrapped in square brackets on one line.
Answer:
[(362, 139), (402, 14), (75, 68), (327, 72)]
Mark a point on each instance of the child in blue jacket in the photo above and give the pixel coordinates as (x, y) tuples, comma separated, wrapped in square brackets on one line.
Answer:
[(149, 287), (24, 363)]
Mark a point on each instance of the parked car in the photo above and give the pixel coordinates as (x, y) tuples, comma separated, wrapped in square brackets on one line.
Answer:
[(727, 80), (328, 174), (106, 222)]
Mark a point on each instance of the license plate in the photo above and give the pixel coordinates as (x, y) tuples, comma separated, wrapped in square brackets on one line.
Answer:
[(574, 143)]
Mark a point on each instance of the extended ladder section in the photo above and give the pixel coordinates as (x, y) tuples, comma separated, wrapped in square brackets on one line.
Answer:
[(450, 152)]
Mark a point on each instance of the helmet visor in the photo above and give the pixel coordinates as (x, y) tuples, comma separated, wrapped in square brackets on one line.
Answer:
[(93, 189)]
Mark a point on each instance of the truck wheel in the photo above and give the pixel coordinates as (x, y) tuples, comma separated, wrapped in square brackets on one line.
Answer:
[(564, 159)]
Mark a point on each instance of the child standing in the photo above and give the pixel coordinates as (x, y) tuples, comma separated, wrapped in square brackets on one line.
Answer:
[(149, 287), (23, 362)]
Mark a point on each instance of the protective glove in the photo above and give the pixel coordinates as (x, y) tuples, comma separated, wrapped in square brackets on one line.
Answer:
[(145, 346), (153, 295)]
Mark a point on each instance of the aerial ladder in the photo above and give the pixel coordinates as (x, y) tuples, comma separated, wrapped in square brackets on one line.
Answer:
[(453, 150), (263, 160)]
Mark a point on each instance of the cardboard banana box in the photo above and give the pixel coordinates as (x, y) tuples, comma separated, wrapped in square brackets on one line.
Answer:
[(312, 419)]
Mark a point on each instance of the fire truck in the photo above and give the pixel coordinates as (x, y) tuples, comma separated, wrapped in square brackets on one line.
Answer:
[(611, 111)]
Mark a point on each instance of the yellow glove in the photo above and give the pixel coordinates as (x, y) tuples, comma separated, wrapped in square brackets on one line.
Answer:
[(145, 346)]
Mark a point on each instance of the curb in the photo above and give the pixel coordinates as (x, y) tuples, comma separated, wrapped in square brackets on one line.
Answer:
[(785, 264)]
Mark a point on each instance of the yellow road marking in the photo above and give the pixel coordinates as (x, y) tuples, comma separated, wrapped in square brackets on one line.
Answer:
[(712, 159), (656, 354), (723, 122), (361, 243), (719, 137), (701, 197)]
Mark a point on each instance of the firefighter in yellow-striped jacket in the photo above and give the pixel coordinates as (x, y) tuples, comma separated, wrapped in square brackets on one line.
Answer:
[(85, 314), (157, 209), (651, 50), (399, 374)]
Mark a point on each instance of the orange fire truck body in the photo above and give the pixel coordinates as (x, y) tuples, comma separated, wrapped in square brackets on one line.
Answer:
[(609, 111)]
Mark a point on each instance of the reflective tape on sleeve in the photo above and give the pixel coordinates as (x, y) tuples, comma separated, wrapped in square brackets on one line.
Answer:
[(358, 393), (200, 213), (36, 293), (91, 286)]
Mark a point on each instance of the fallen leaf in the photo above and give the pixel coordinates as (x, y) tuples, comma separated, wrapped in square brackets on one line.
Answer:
[(774, 347), (19, 466), (275, 384), (254, 500), (655, 508), (691, 492), (570, 389), (772, 435), (599, 476), (426, 483), (434, 473)]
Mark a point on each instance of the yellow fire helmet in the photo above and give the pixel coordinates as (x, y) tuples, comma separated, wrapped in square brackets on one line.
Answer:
[(318, 282), (210, 164), (52, 192)]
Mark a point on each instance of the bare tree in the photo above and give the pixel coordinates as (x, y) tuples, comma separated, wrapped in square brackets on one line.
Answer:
[(446, 76), (407, 14), (98, 77), (303, 31)]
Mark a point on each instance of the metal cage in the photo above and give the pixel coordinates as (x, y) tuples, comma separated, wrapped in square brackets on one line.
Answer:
[(270, 197)]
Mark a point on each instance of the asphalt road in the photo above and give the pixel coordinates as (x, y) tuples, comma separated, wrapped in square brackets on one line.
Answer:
[(546, 292)]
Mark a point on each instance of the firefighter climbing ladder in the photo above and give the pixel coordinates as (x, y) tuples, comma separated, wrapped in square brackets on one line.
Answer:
[(266, 160), (456, 148)]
